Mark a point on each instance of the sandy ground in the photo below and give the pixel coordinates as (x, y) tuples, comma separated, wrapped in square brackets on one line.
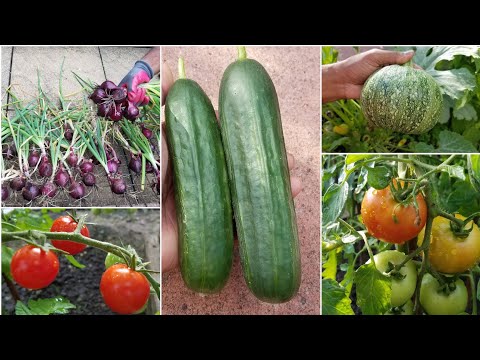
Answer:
[(295, 72)]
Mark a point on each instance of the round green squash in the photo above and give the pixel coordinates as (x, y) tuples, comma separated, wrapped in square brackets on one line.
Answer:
[(403, 99)]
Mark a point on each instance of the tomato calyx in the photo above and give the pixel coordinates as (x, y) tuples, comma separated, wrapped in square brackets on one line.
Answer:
[(459, 227), (405, 194), (447, 284), (398, 310), (394, 271)]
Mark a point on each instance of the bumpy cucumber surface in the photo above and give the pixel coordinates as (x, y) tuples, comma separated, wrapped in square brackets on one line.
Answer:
[(259, 181), (202, 195)]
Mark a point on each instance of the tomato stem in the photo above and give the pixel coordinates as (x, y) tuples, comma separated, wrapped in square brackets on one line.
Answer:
[(77, 237), (473, 292)]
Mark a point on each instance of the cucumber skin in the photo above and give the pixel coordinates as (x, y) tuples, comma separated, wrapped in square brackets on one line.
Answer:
[(259, 182), (202, 195)]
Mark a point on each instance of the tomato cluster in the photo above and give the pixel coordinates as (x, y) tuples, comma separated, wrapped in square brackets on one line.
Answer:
[(449, 253), (123, 289)]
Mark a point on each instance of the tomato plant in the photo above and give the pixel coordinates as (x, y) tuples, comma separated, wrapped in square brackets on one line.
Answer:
[(67, 224), (395, 229), (391, 221), (124, 290), (33, 267), (31, 261)]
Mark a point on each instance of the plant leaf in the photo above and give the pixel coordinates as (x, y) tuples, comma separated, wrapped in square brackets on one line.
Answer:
[(466, 112), (7, 254), (451, 142), (350, 159), (333, 202), (379, 177), (374, 290), (58, 305), (334, 299), (74, 261), (330, 266)]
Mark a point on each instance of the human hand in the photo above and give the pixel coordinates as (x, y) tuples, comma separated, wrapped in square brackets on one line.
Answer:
[(169, 215), (345, 79), (140, 73)]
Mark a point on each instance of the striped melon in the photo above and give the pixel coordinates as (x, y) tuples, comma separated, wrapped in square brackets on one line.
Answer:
[(402, 99)]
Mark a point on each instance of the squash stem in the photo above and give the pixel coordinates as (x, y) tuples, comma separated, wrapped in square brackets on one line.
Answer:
[(242, 53), (181, 69), (409, 63)]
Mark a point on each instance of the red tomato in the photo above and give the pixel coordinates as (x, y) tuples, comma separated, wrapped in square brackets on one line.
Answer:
[(34, 268), (67, 224), (390, 221), (124, 290)]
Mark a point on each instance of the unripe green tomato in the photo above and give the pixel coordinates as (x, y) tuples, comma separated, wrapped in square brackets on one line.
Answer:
[(439, 303), (402, 290)]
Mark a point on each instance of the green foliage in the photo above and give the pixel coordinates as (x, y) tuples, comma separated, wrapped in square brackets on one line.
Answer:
[(27, 219), (334, 299), (7, 254), (374, 290), (58, 305)]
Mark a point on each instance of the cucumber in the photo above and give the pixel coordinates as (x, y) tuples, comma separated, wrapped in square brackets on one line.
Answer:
[(202, 195), (259, 181)]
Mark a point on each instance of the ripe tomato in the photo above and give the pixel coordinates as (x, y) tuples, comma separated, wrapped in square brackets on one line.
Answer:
[(406, 309), (402, 289), (448, 253), (34, 268), (124, 290), (438, 303), (67, 224), (389, 221)]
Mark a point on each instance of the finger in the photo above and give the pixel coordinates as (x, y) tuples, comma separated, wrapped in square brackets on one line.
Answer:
[(296, 184), (167, 80), (291, 161), (384, 57)]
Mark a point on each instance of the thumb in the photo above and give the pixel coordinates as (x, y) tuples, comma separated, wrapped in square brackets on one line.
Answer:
[(384, 57)]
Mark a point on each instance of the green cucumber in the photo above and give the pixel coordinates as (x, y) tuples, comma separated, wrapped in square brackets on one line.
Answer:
[(202, 195), (259, 181)]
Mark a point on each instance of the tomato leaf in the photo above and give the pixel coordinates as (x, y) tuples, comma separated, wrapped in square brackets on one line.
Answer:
[(330, 266), (350, 159), (7, 254), (74, 261), (333, 202), (57, 305), (334, 299), (28, 219), (379, 177), (374, 290), (455, 171), (473, 162)]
